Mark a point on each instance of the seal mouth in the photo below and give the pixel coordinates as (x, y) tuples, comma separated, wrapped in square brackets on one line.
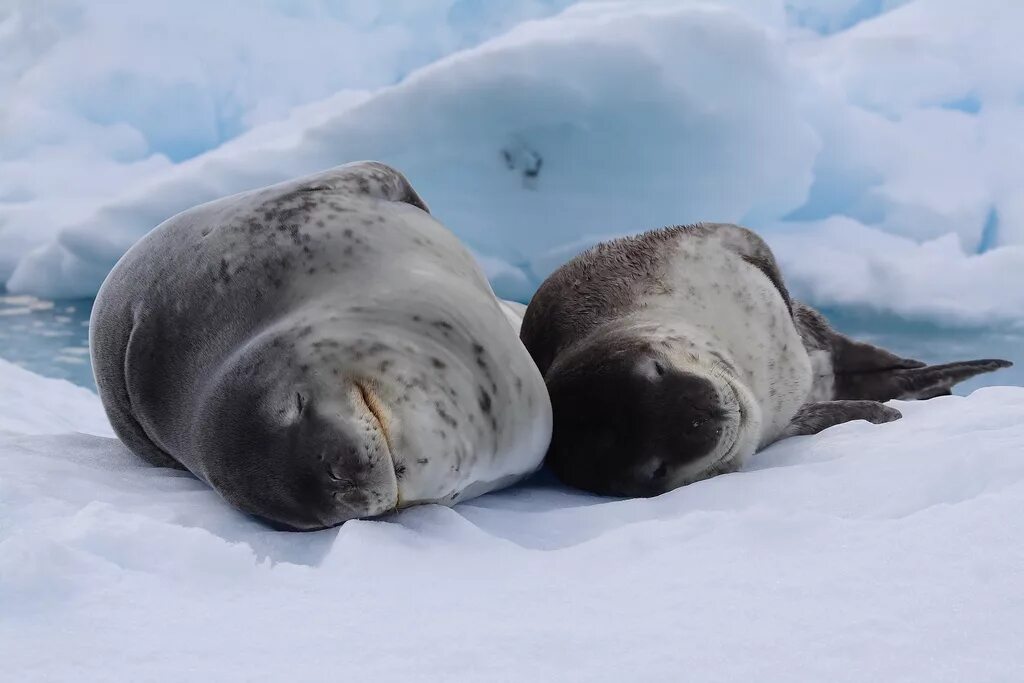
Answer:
[(722, 463), (375, 407), (741, 422)]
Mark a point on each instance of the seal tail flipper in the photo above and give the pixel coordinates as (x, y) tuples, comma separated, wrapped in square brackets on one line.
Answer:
[(862, 371), (814, 417), (907, 383)]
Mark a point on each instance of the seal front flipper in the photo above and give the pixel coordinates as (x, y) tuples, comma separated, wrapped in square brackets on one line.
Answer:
[(815, 417)]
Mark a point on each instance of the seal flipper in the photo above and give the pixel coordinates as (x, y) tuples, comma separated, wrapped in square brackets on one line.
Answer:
[(815, 417), (861, 371), (927, 381)]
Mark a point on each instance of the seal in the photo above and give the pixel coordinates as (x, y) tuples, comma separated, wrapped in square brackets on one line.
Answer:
[(674, 355), (318, 350)]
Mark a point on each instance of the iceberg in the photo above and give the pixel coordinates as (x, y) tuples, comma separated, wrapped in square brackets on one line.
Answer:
[(541, 128)]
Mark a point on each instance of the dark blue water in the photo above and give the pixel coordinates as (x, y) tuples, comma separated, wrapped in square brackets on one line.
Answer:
[(48, 337), (52, 339)]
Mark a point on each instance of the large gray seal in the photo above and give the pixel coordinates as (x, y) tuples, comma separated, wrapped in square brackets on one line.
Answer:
[(318, 350), (675, 355)]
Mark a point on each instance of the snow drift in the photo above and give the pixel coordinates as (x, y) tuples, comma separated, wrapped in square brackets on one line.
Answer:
[(862, 553), (895, 118)]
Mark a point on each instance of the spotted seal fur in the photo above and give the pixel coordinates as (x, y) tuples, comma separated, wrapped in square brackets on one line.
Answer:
[(318, 350), (674, 355)]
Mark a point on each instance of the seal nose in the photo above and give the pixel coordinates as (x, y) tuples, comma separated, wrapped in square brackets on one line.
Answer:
[(692, 411), (632, 424), (341, 469)]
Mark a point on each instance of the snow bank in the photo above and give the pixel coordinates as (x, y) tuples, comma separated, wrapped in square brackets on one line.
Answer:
[(520, 143), (840, 262), (903, 116), (30, 404), (98, 95), (864, 553)]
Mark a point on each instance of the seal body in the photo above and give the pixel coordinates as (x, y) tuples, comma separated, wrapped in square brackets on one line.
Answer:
[(675, 355), (318, 350)]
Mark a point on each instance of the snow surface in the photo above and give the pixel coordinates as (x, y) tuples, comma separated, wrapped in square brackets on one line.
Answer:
[(865, 553), (532, 131)]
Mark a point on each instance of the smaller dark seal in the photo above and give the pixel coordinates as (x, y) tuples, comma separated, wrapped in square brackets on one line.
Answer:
[(674, 355)]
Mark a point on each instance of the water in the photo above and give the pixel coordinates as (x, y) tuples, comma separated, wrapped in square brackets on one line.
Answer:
[(52, 339)]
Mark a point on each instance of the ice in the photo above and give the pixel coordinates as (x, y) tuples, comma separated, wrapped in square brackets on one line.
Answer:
[(866, 552), (531, 139), (522, 143), (40, 405), (840, 262), (99, 95)]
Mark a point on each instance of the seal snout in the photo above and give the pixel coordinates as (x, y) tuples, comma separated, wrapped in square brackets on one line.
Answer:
[(635, 424), (321, 459)]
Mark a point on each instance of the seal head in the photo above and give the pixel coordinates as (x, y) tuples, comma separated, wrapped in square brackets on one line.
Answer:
[(292, 449), (630, 421)]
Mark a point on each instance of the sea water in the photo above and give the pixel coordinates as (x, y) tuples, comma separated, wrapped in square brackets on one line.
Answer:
[(52, 338)]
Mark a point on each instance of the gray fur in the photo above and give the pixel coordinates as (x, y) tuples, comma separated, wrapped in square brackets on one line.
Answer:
[(607, 281), (734, 324), (317, 350)]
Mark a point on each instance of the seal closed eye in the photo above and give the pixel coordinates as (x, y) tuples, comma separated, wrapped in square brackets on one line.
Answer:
[(674, 355)]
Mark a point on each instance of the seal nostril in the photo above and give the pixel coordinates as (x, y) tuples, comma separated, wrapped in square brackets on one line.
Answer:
[(659, 368), (661, 472)]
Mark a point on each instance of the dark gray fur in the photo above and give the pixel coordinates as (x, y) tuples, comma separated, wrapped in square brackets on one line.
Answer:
[(142, 336), (604, 283), (564, 327)]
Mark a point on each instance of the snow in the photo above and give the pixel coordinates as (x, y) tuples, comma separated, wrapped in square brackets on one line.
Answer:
[(840, 262), (864, 553), (877, 144), (532, 131), (34, 405)]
